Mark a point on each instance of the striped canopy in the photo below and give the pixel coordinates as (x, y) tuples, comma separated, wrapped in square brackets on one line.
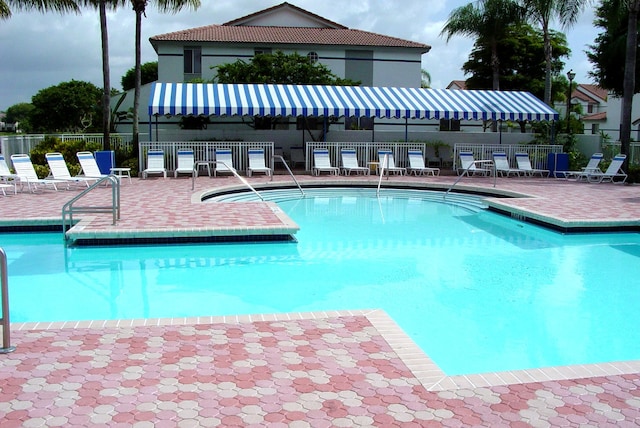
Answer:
[(316, 100)]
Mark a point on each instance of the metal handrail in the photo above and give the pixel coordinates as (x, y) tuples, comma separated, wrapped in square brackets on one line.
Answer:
[(385, 162), (4, 321), (290, 172), (466, 171), (245, 182), (68, 209)]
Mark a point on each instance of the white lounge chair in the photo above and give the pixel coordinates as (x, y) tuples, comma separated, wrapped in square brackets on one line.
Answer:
[(27, 173), (186, 163), (613, 171), (224, 162), (155, 164), (524, 166), (256, 163), (417, 166), (350, 163), (322, 163), (89, 166), (7, 178), (469, 166), (60, 171), (592, 167), (388, 164), (501, 163)]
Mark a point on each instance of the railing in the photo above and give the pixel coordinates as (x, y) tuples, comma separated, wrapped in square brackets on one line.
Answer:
[(484, 163), (68, 210), (204, 151), (384, 164), (241, 178), (24, 143), (611, 149), (537, 153), (281, 159), (4, 321)]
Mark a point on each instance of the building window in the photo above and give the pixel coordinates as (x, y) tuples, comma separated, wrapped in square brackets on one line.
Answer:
[(358, 123), (313, 57), (193, 61), (262, 51), (590, 108), (595, 128), (449, 124)]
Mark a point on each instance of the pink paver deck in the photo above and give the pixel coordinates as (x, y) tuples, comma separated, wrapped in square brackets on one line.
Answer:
[(320, 369)]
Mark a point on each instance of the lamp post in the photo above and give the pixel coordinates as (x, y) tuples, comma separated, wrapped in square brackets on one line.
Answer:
[(570, 75)]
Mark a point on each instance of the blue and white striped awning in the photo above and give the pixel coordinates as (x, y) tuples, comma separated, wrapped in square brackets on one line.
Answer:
[(316, 100)]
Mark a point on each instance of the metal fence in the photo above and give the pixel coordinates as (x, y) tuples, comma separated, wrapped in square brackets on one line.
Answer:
[(609, 150), (204, 151), (19, 143), (538, 154)]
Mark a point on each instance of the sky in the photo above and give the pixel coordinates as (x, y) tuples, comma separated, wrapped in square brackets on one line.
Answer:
[(41, 50)]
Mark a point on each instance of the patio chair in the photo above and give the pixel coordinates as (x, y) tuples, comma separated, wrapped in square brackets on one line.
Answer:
[(256, 163), (186, 163), (350, 163), (322, 163), (503, 168), (469, 166), (388, 164), (155, 164), (59, 170), (613, 171), (524, 166), (224, 162), (417, 166), (7, 178), (27, 173), (89, 166), (592, 167)]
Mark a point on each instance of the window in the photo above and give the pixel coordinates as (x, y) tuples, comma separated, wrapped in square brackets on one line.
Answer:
[(449, 124), (590, 108), (313, 57), (258, 51), (358, 123), (193, 61), (595, 128)]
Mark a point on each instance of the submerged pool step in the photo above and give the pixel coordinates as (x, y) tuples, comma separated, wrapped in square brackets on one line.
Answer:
[(470, 202)]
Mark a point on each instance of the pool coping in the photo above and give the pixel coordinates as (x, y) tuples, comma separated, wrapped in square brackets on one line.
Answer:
[(423, 368)]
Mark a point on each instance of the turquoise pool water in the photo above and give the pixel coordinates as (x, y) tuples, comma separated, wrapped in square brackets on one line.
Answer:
[(477, 291)]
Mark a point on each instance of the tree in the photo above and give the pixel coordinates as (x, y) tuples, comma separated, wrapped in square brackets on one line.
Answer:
[(488, 20), (148, 74), (542, 12), (67, 107), (279, 68), (39, 5), (425, 79), (521, 67), (139, 7), (629, 79), (20, 113), (608, 52)]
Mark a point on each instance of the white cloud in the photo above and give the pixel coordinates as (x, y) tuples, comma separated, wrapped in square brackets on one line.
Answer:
[(41, 50)]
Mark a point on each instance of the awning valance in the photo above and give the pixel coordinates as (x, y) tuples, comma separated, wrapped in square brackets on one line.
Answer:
[(360, 101)]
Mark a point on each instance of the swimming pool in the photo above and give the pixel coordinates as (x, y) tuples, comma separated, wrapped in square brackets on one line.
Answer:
[(477, 291)]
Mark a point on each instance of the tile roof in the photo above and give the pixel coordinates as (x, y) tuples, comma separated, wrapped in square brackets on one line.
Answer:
[(595, 90), (596, 116), (287, 35), (248, 18)]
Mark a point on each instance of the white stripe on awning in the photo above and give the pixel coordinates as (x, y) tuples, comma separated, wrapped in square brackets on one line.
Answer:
[(314, 100)]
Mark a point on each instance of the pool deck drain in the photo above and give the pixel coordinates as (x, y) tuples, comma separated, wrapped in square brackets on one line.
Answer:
[(353, 368)]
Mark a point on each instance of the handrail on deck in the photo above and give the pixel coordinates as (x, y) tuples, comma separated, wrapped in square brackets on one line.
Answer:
[(4, 321), (278, 157), (466, 171), (68, 209), (385, 163), (245, 182)]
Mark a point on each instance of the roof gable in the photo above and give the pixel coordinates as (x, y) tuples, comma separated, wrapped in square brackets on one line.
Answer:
[(284, 15)]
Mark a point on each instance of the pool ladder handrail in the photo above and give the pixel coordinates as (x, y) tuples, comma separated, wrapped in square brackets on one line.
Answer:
[(281, 159), (491, 164), (4, 321), (385, 163), (245, 182), (68, 209)]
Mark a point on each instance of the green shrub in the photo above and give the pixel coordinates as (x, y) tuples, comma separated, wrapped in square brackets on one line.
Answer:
[(634, 174)]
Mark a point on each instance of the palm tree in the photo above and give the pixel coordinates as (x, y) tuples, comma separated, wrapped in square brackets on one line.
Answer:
[(39, 5), (102, 6), (139, 7), (487, 20), (542, 12), (629, 83)]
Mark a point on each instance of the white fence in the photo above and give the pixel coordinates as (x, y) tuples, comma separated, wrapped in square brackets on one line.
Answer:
[(12, 144), (537, 153)]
